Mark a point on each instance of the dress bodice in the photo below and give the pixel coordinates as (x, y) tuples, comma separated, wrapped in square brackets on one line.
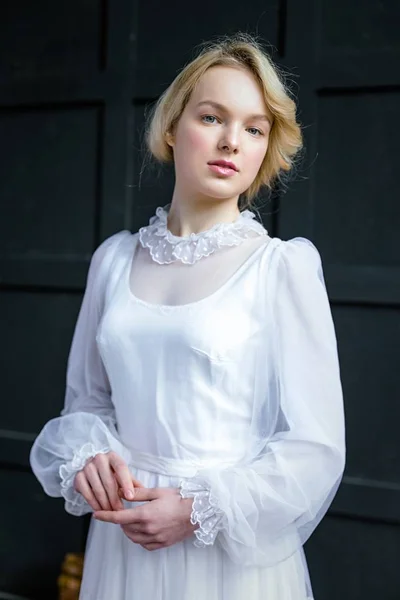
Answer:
[(182, 375)]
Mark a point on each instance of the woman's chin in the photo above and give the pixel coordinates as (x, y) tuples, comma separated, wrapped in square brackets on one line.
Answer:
[(221, 192)]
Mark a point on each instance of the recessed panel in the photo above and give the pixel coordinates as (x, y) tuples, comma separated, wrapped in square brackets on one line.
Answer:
[(169, 43), (359, 26), (48, 182), (351, 559), (42, 38), (356, 208), (369, 350), (153, 182), (36, 330), (36, 533)]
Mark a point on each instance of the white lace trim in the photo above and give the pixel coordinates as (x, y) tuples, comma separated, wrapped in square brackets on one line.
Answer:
[(205, 512), (68, 471), (166, 248)]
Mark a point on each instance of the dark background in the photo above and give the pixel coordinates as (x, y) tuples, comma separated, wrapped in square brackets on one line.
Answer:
[(75, 79)]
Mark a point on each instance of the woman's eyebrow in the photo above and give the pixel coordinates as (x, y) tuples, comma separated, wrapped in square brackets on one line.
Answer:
[(221, 107)]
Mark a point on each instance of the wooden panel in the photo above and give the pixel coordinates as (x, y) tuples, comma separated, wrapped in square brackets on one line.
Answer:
[(369, 344), (366, 71), (361, 498), (354, 559), (41, 38), (36, 533), (356, 220), (154, 182), (354, 27), (359, 43), (123, 31), (58, 89), (37, 332), (372, 285), (15, 447), (296, 206), (44, 271), (49, 186), (166, 46)]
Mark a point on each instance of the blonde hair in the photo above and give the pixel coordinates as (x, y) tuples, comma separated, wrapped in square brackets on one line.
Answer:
[(239, 51)]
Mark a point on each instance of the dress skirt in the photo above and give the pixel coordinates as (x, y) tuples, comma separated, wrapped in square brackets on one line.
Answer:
[(116, 568)]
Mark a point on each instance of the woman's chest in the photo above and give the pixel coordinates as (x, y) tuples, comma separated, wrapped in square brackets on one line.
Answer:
[(222, 330)]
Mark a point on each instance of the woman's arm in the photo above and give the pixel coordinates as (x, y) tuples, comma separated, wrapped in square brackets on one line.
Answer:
[(266, 510), (87, 426)]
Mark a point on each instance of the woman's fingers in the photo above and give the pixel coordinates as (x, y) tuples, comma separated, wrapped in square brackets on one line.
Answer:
[(122, 475), (97, 486), (152, 547), (137, 537), (144, 539), (136, 484), (82, 486), (108, 480), (105, 481)]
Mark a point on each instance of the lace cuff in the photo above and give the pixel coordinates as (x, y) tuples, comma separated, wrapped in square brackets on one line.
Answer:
[(75, 503), (205, 512)]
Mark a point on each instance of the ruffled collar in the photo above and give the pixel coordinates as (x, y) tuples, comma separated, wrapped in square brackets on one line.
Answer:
[(165, 248)]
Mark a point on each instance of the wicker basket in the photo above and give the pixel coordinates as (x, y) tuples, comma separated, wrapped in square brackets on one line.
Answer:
[(69, 582)]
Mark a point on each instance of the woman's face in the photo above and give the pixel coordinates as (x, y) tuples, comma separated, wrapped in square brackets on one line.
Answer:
[(221, 138)]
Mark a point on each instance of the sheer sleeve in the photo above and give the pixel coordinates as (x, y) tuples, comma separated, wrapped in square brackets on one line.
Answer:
[(87, 425), (264, 510)]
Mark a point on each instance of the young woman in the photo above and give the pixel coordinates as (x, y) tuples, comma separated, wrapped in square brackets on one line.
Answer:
[(203, 421)]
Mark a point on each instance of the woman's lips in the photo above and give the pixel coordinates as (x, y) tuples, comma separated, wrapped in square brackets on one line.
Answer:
[(223, 170)]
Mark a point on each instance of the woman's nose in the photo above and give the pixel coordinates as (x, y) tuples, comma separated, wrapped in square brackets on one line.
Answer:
[(229, 142)]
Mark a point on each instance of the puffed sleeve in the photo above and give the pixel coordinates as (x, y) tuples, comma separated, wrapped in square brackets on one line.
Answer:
[(87, 425), (263, 511)]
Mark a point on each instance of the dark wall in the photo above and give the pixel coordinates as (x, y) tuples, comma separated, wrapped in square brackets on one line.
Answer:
[(75, 79)]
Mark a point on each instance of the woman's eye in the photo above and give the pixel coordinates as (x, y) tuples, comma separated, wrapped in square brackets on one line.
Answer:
[(254, 131), (209, 119)]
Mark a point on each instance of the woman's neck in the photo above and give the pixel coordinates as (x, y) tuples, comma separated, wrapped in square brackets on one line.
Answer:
[(185, 218)]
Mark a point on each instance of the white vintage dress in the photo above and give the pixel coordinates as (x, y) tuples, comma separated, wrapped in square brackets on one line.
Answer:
[(209, 363)]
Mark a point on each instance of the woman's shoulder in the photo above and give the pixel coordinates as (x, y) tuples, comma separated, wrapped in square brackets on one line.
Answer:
[(295, 251), (112, 245), (107, 255)]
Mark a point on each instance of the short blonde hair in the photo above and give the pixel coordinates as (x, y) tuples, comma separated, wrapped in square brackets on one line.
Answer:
[(239, 51)]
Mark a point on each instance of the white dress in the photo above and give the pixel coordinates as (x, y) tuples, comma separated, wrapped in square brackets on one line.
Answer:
[(209, 363)]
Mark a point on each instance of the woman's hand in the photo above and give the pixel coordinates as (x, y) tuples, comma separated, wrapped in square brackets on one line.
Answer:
[(100, 479), (163, 521)]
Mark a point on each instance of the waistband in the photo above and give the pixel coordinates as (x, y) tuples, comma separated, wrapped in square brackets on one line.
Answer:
[(173, 467)]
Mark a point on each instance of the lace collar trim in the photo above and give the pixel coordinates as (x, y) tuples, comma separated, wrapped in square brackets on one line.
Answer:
[(166, 248)]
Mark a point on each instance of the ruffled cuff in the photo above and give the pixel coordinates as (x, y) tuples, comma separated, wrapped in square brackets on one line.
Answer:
[(75, 503), (205, 512)]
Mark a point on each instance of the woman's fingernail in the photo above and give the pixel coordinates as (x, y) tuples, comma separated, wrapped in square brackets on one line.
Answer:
[(129, 494)]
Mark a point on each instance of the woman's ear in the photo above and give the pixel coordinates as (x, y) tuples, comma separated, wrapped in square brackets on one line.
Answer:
[(169, 138)]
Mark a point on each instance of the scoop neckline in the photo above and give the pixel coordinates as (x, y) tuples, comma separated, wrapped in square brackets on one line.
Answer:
[(179, 307)]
